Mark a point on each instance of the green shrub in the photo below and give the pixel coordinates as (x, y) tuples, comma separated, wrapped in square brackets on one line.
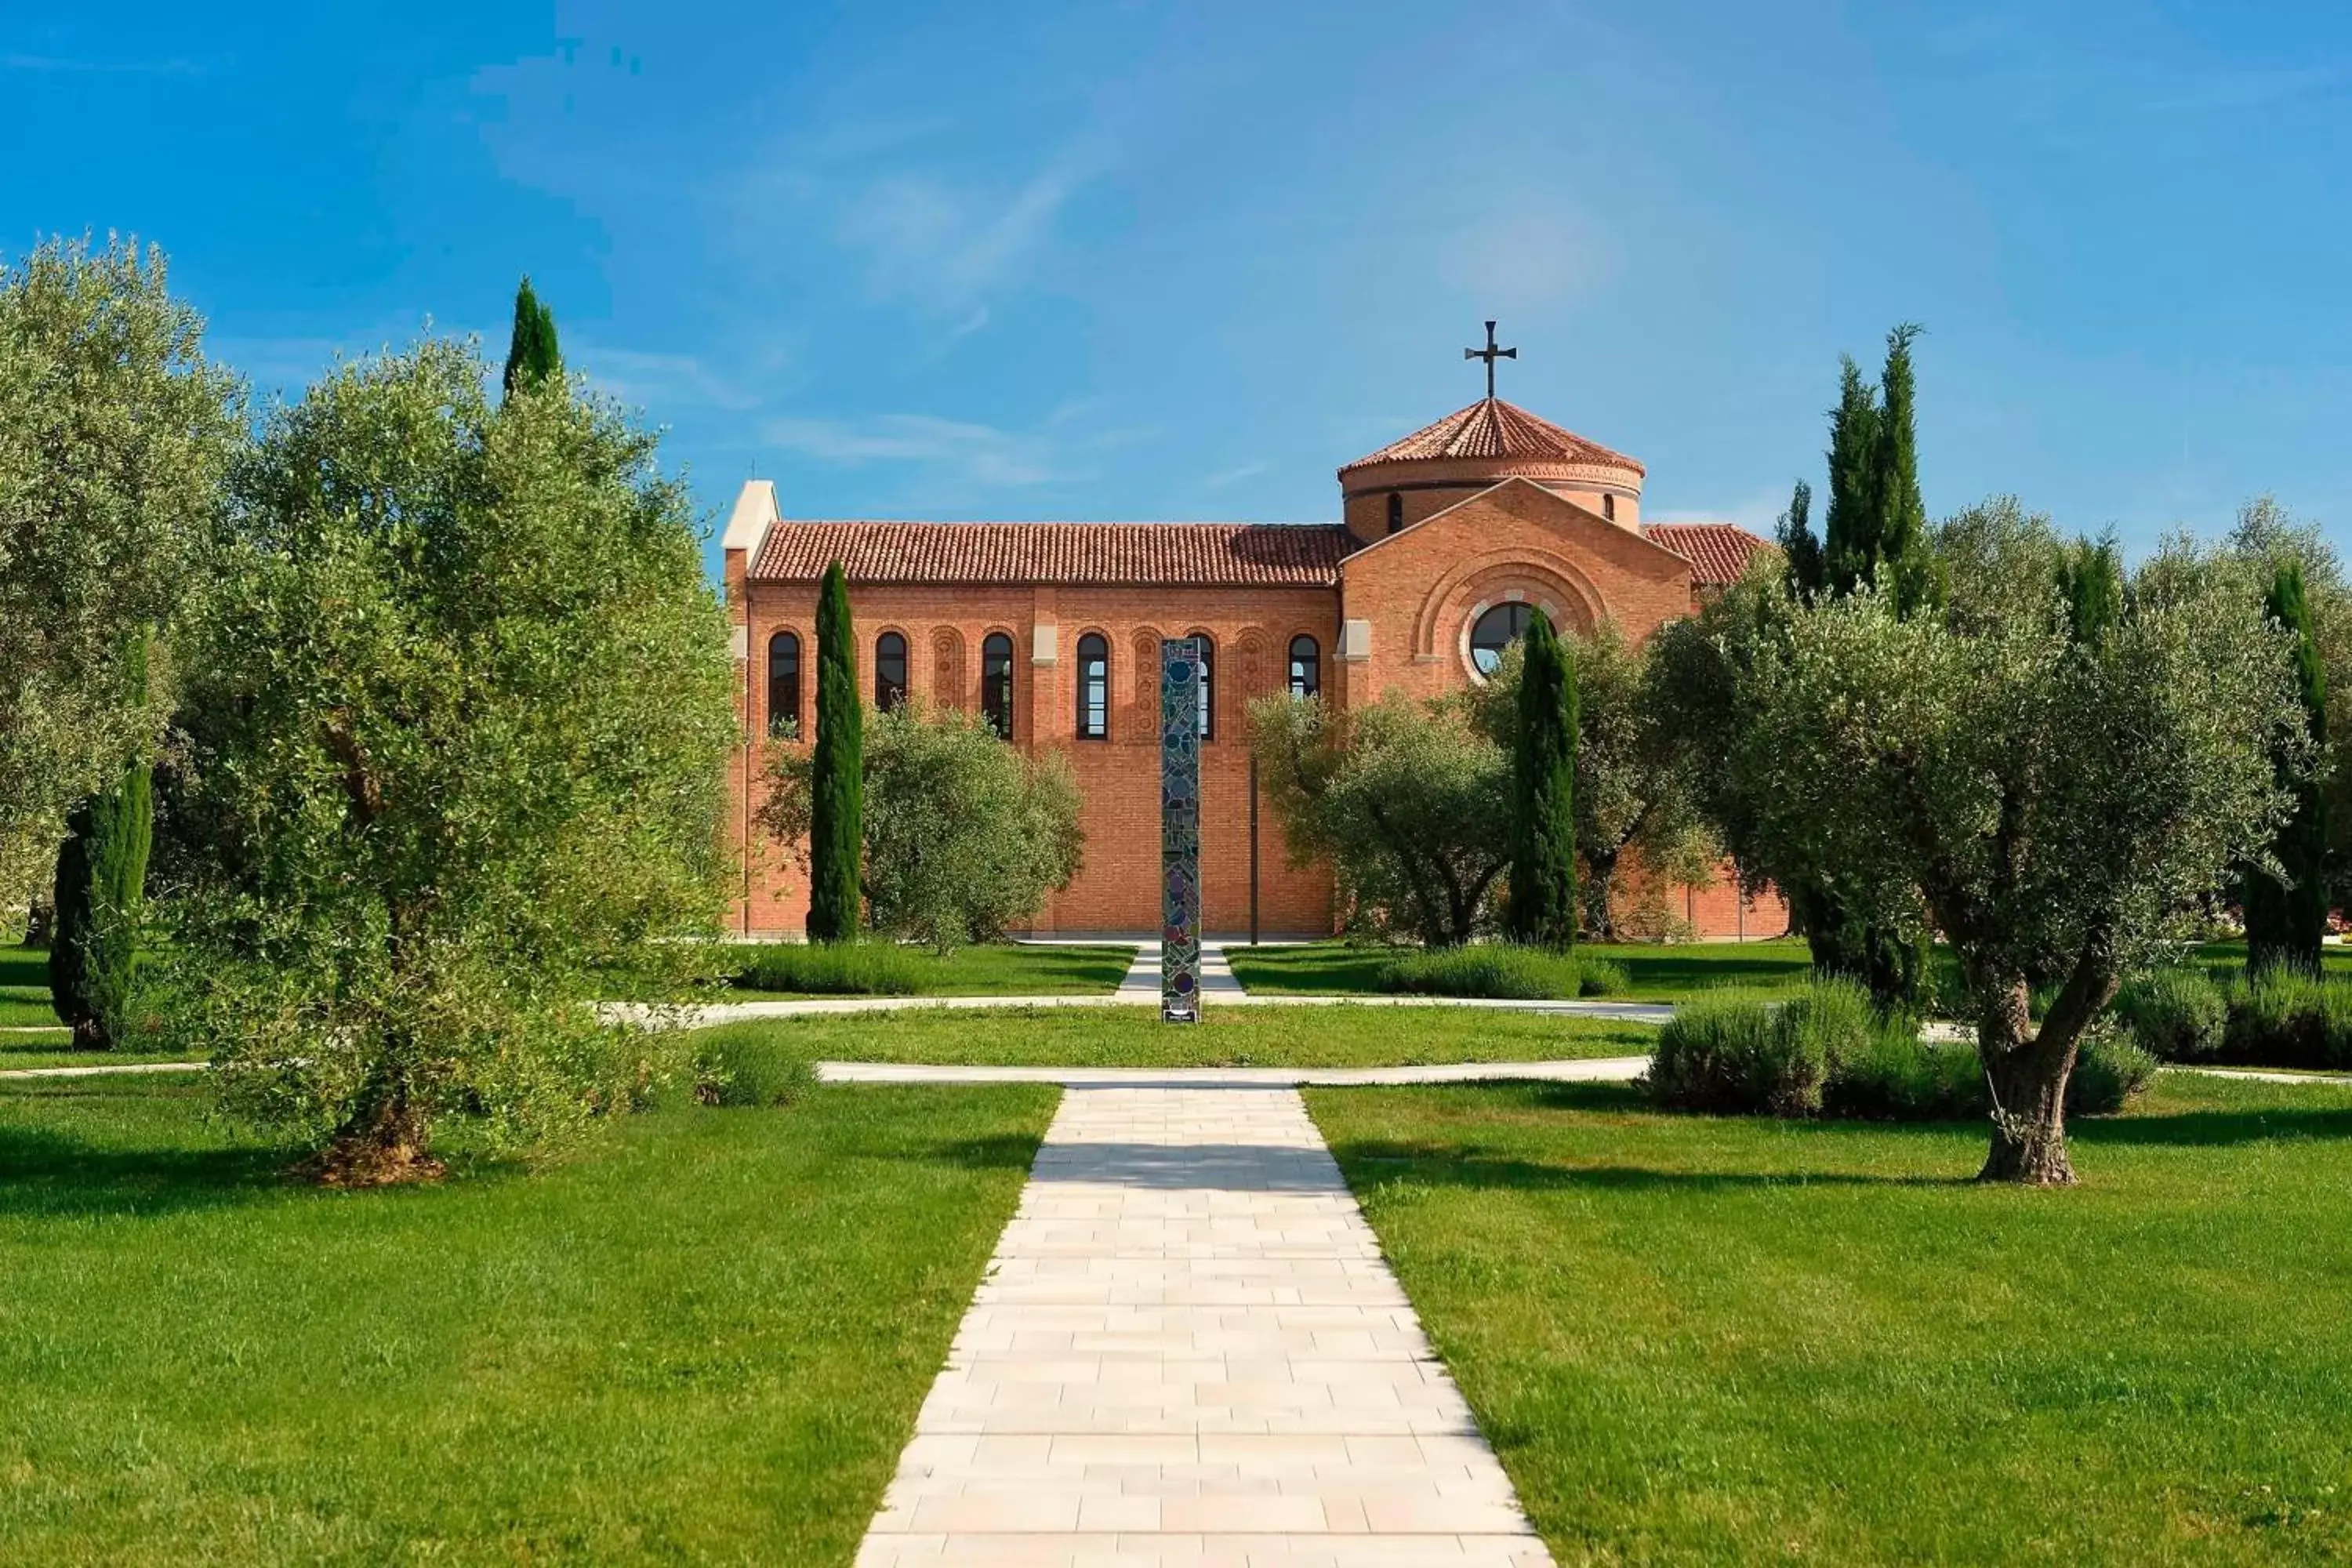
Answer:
[(746, 1068), (835, 969), (1499, 970), (2280, 1018), (1730, 1053), (1898, 1076), (1825, 1052), (2175, 1015), (2109, 1071), (1602, 977)]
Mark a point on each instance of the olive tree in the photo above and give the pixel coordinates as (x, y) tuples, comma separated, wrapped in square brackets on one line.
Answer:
[(1631, 799), (458, 717), (964, 836), (2057, 796), (1409, 800), (114, 433)]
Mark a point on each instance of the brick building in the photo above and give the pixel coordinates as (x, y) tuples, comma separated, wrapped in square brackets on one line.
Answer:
[(1448, 539)]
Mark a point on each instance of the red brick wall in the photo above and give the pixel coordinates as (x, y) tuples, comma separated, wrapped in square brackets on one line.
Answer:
[(1116, 889), (1416, 590)]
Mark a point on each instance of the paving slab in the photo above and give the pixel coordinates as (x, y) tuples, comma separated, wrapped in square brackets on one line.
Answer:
[(1188, 1351)]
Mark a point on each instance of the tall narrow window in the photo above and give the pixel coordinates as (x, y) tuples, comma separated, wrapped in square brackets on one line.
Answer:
[(1396, 511), (1609, 508), (784, 684), (1305, 665), (889, 670), (1094, 687), (996, 684), (1207, 709)]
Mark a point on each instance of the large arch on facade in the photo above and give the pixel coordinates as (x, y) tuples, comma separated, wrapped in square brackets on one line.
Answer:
[(1552, 581)]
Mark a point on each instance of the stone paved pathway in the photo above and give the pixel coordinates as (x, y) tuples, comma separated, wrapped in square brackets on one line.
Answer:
[(1188, 1352), (1589, 1069)]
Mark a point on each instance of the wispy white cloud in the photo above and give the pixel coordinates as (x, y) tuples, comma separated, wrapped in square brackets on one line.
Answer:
[(2232, 91), (661, 381), (950, 243), (1226, 478), (943, 460), (979, 453), (1530, 257), (68, 65)]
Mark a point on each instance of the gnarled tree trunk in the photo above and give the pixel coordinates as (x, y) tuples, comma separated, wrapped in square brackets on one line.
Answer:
[(2027, 1068), (382, 1141)]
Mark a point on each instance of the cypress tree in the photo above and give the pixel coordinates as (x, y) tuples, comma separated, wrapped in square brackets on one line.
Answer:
[(101, 886), (531, 353), (836, 824), (2285, 921), (1542, 903), (1804, 569), (1900, 535), (2091, 580), (1876, 532), (1851, 520)]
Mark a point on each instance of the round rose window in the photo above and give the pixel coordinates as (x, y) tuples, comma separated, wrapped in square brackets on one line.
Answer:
[(1496, 630)]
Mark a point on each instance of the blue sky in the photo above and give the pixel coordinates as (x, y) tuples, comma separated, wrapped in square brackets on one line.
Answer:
[(1181, 260)]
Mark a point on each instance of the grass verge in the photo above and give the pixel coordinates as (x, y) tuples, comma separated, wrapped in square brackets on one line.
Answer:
[(702, 1340), (1729, 1340), (1006, 969), (1337, 1035), (1654, 973)]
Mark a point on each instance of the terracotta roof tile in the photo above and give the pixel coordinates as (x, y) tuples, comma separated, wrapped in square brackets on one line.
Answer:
[(1491, 428), (1718, 552), (1228, 554)]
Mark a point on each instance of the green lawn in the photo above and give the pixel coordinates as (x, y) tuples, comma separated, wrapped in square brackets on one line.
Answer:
[(1004, 969), (2227, 959), (25, 988), (1700, 1341), (704, 1339), (1659, 973), (1338, 1035), (24, 1000)]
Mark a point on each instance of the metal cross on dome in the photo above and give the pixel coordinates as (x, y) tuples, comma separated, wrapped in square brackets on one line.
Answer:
[(1490, 353)]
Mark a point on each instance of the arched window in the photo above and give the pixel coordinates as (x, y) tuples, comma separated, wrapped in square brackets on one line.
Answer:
[(1496, 630), (889, 670), (1609, 508), (784, 684), (1094, 687), (1208, 704), (1396, 511), (1305, 665), (996, 684)]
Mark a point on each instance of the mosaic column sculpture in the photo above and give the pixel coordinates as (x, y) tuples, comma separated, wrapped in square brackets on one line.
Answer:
[(1179, 831)]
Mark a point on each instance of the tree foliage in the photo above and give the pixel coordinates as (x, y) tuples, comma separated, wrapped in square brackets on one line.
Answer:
[(1541, 907), (2265, 538), (99, 896), (2288, 900), (836, 830), (1876, 534), (532, 356), (964, 836), (114, 433), (2058, 804), (457, 718), (1631, 795), (1409, 800)]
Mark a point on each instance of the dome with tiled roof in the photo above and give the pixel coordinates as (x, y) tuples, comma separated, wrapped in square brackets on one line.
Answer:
[(1493, 430), (1483, 445)]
